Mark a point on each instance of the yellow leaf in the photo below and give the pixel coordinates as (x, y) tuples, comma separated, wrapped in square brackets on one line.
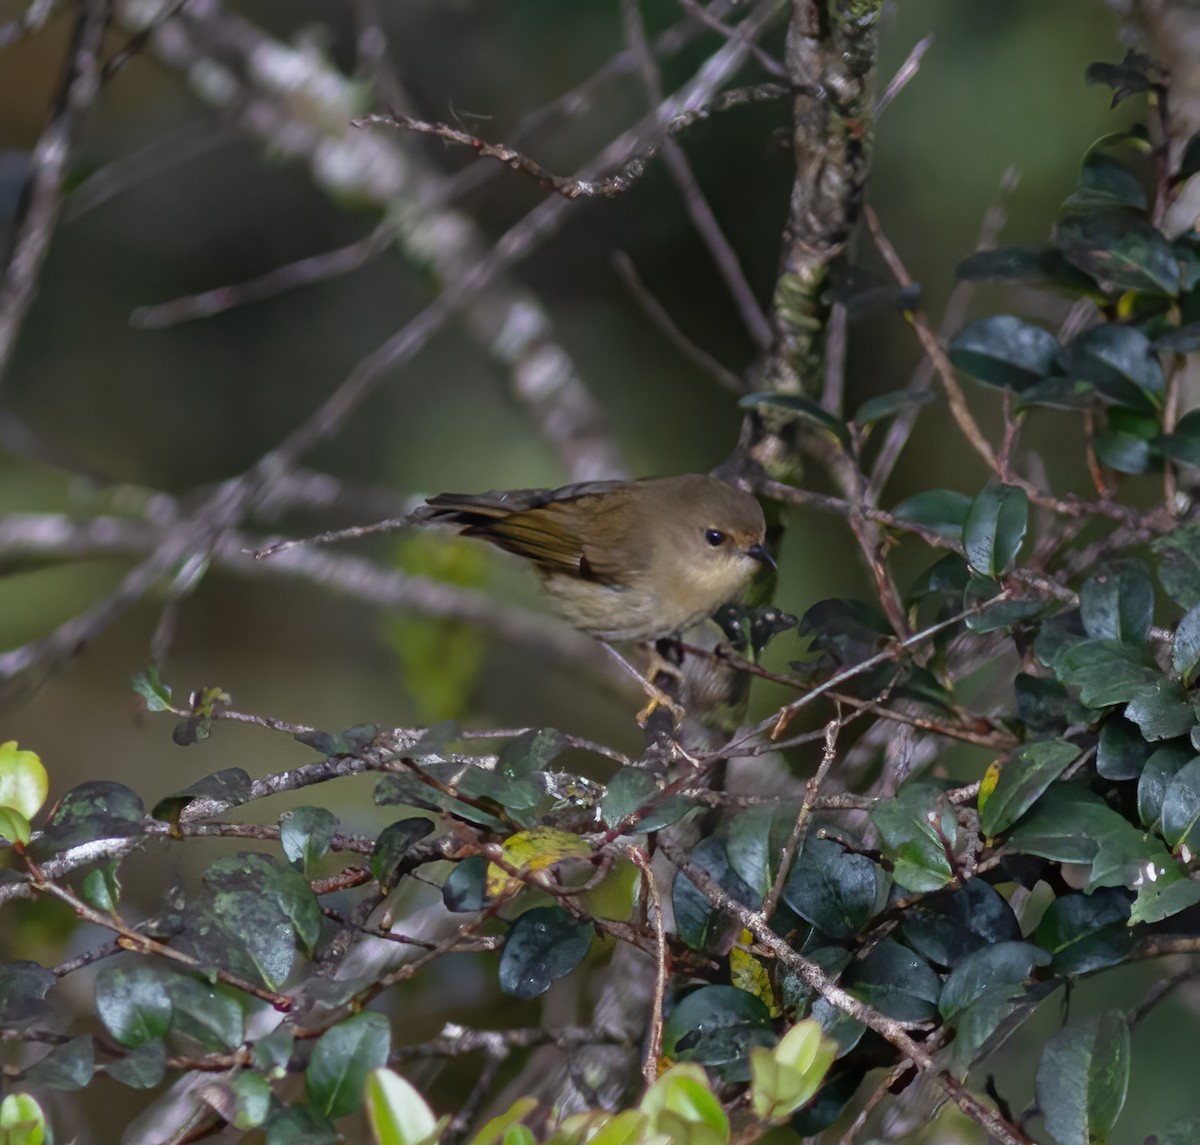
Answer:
[(533, 850), (988, 784), (24, 783), (747, 973)]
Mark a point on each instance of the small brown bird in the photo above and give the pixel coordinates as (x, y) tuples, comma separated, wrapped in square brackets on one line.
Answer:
[(624, 560)]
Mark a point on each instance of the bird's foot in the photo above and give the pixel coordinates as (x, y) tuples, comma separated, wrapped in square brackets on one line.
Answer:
[(660, 699)]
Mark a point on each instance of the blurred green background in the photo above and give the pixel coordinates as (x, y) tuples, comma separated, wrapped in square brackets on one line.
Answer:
[(173, 409)]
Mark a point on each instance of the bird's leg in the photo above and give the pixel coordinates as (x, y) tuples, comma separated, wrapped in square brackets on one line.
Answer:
[(660, 664)]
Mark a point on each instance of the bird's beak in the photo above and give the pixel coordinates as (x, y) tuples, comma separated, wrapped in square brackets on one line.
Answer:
[(759, 553)]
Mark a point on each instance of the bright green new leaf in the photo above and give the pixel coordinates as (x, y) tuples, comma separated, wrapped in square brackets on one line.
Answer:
[(398, 1114), (786, 1077), (24, 783)]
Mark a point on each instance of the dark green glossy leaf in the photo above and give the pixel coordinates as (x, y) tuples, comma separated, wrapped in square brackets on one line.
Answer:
[(886, 405), (102, 888), (1183, 444), (1086, 932), (1121, 752), (1045, 705), (98, 809), (530, 752), (945, 928), (716, 1026), (133, 1003), (1181, 341), (342, 1058), (300, 1125), (1004, 351), (1180, 813), (234, 876), (23, 986), (943, 511), (1162, 766), (844, 631), (1001, 614), (696, 923), (908, 838), (1082, 1078), (1023, 779), (1179, 564), (210, 1014), (805, 409), (1066, 825), (408, 789), (754, 839), (1120, 250), (1125, 452), (751, 629), (142, 1068), (896, 982), (1056, 633), (272, 1052), (1105, 671), (305, 834), (230, 787), (1117, 603), (69, 1066), (630, 789), (545, 944), (1000, 965), (838, 892), (863, 292), (393, 844), (794, 992), (349, 742), (1021, 264), (465, 888), (1119, 361), (1163, 711), (1106, 182), (1126, 79), (995, 527), (1059, 392)]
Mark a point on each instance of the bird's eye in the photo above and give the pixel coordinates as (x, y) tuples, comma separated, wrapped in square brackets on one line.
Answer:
[(714, 537)]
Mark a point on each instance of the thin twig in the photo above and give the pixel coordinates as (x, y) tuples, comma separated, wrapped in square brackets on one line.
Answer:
[(662, 967), (904, 74)]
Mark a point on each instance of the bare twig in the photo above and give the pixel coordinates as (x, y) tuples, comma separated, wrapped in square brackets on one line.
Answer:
[(904, 74)]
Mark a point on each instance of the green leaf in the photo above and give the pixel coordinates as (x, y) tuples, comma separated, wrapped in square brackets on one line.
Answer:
[(1058, 392), (1162, 766), (95, 810), (393, 844), (1106, 182), (272, 1052), (210, 1014), (1179, 564), (944, 929), (24, 783), (943, 511), (1065, 825), (886, 405), (838, 892), (1121, 752), (1105, 671), (156, 694), (681, 1107), (465, 888), (102, 888), (1082, 1078), (142, 1068), (1125, 452), (754, 839), (398, 1114), (1163, 711), (1045, 705), (909, 839), (1021, 264), (1120, 362), (305, 834), (995, 527), (804, 409), (1120, 250), (530, 752), (341, 1060), (697, 924), (628, 790), (23, 985), (716, 1026), (1168, 893), (1086, 932), (350, 742), (1022, 781), (1182, 340), (545, 944), (133, 1003), (1004, 351), (1117, 603), (1126, 79), (69, 1066), (786, 1077), (1001, 965), (1180, 814), (231, 786), (14, 826), (22, 1121), (300, 1125), (896, 982)]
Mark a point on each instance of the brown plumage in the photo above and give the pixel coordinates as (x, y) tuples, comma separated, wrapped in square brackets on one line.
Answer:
[(623, 560)]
